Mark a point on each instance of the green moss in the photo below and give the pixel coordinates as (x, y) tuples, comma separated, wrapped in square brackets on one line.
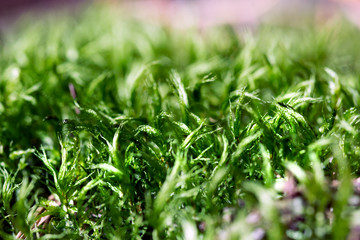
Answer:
[(143, 131)]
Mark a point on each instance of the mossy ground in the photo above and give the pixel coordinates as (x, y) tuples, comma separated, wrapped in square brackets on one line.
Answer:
[(139, 131)]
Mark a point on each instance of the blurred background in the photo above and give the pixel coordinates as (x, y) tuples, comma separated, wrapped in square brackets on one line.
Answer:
[(203, 13)]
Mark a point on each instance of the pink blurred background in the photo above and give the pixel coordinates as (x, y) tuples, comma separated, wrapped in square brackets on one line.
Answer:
[(204, 13)]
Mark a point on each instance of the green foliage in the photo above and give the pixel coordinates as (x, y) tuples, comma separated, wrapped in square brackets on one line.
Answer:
[(141, 131)]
